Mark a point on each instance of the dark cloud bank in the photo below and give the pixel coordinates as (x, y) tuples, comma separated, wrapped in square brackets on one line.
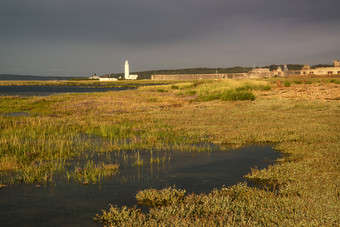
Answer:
[(81, 37)]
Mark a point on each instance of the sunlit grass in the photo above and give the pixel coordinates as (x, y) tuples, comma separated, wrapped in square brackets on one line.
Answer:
[(92, 173), (304, 183)]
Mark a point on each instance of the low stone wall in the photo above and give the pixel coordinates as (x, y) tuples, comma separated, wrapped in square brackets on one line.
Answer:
[(188, 76), (292, 73), (199, 76), (225, 76)]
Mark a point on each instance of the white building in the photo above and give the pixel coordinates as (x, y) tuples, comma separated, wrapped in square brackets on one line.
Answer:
[(323, 70), (127, 75), (107, 79)]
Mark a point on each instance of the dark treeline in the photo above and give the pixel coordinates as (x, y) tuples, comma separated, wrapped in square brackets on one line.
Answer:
[(296, 66), (321, 66), (290, 67)]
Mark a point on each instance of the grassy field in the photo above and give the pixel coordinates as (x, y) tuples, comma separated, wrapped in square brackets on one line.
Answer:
[(302, 116)]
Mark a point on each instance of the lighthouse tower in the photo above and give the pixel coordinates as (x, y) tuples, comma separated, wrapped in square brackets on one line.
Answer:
[(127, 72)]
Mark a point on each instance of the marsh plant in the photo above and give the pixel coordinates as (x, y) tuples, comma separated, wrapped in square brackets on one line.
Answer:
[(303, 186), (92, 173), (225, 207)]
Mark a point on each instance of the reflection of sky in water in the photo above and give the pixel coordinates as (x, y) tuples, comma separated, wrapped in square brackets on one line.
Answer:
[(65, 203), (16, 114), (35, 90)]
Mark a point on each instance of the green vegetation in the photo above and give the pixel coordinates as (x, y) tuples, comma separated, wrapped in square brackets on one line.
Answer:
[(290, 67), (287, 83), (302, 188), (236, 205), (157, 198), (92, 172)]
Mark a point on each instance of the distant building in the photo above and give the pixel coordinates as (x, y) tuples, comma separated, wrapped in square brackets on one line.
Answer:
[(94, 77), (285, 68), (260, 73), (107, 79), (307, 70)]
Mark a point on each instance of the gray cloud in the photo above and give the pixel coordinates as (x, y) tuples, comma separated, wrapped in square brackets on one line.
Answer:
[(79, 37)]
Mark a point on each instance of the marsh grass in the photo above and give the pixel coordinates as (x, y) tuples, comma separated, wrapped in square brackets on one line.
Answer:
[(225, 90), (236, 205), (303, 186), (164, 197), (139, 161), (287, 83), (92, 172)]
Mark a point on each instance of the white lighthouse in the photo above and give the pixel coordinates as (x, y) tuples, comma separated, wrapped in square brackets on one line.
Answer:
[(127, 75), (127, 72)]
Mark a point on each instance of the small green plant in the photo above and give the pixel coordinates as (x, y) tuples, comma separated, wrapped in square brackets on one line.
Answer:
[(92, 172), (191, 92), (298, 82), (174, 87), (153, 100), (155, 198), (118, 216), (233, 95), (287, 83), (334, 81), (139, 161), (265, 88)]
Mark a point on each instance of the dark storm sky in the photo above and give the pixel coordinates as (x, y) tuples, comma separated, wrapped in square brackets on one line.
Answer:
[(82, 37)]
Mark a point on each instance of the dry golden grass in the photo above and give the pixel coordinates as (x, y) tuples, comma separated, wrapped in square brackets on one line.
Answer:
[(320, 91), (8, 163)]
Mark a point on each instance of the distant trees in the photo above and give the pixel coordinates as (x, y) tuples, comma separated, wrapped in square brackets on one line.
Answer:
[(290, 67), (321, 66)]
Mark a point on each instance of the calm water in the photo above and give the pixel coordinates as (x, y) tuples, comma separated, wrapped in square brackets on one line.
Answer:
[(36, 90), (73, 204)]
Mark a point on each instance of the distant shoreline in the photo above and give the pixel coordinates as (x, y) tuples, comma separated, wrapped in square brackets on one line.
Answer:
[(32, 77)]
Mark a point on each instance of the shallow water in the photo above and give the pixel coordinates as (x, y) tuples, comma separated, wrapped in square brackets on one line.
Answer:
[(69, 203), (16, 114), (37, 90)]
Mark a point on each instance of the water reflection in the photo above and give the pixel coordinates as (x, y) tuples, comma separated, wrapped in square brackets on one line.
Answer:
[(16, 114), (37, 90), (71, 203)]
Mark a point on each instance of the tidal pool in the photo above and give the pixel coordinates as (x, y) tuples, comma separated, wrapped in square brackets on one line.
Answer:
[(64, 203), (16, 114), (37, 90)]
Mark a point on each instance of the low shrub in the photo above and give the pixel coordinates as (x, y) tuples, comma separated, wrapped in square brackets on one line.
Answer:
[(287, 83), (265, 87), (191, 92), (249, 87), (234, 95), (164, 197), (298, 82)]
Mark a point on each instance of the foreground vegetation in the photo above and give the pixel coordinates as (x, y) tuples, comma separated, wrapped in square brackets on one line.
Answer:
[(302, 188)]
